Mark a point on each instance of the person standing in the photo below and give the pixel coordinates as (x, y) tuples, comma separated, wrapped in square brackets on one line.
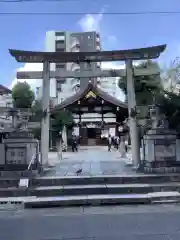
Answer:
[(109, 143), (74, 143), (122, 147)]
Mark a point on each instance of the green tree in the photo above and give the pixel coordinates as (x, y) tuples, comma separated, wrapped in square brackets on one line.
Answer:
[(22, 95), (169, 105), (146, 87), (60, 119), (171, 75), (36, 111), (168, 100)]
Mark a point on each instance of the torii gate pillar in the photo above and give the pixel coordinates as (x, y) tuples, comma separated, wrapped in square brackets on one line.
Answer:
[(135, 142), (45, 109)]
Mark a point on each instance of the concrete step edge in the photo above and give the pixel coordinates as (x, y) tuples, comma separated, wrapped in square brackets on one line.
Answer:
[(91, 186), (150, 198), (135, 175), (99, 200), (120, 186)]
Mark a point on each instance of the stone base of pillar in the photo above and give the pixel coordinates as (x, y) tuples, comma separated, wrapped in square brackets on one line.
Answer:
[(162, 167), (162, 170)]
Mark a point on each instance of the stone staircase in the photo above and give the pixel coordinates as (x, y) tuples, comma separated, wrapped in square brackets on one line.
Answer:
[(99, 190)]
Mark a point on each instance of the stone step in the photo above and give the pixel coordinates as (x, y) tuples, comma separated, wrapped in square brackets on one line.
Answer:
[(88, 180), (105, 179), (96, 200), (104, 189), (18, 174), (72, 190)]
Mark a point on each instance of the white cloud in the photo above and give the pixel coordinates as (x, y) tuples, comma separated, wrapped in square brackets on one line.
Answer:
[(29, 67), (91, 22)]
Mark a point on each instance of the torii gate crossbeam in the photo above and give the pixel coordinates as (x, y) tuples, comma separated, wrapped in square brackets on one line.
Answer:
[(124, 55), (86, 74)]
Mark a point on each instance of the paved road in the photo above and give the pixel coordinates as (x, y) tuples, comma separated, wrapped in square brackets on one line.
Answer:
[(93, 161), (107, 223)]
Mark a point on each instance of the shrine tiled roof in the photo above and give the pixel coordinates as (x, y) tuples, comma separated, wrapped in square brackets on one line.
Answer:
[(82, 93), (4, 90)]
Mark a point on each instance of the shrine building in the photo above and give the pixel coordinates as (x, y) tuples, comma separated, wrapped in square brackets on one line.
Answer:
[(96, 114)]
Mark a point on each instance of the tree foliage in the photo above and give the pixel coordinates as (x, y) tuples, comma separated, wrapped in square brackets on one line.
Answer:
[(169, 105), (145, 86), (22, 95), (60, 119), (36, 111), (172, 74), (150, 90)]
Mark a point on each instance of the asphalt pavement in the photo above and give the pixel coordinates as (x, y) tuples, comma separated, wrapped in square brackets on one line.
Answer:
[(155, 222)]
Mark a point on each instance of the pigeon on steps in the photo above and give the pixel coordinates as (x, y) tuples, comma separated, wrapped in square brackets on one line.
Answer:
[(79, 171)]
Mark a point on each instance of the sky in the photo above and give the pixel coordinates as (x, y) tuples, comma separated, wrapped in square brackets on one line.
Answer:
[(27, 32)]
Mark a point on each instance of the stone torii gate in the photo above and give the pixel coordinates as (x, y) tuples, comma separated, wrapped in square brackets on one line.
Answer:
[(64, 57)]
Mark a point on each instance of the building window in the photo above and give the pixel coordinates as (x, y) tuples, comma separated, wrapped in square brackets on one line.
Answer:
[(59, 49), (12, 154), (59, 34), (60, 46), (59, 86), (60, 66), (60, 80), (59, 42)]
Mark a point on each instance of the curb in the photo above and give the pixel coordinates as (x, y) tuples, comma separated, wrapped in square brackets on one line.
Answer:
[(99, 200)]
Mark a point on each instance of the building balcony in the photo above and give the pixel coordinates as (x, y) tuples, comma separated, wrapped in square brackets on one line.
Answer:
[(98, 39), (75, 83), (75, 49), (98, 35), (75, 67), (98, 48), (76, 87), (75, 44)]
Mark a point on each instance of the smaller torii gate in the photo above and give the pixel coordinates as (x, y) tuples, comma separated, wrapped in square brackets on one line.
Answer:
[(64, 57)]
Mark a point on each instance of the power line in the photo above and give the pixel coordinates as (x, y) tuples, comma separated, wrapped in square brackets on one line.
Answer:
[(25, 1), (93, 13)]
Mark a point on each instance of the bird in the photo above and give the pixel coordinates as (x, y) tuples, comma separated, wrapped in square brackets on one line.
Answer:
[(79, 171)]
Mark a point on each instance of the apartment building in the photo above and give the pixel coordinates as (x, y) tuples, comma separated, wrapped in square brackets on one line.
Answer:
[(75, 42), (5, 102)]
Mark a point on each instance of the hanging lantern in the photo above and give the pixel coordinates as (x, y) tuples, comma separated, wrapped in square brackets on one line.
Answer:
[(120, 128), (153, 111)]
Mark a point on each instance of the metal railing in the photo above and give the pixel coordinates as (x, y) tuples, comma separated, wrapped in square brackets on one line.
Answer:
[(35, 159)]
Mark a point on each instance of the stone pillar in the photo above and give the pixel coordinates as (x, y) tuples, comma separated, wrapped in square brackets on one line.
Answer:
[(135, 145), (64, 137), (14, 121), (45, 108)]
